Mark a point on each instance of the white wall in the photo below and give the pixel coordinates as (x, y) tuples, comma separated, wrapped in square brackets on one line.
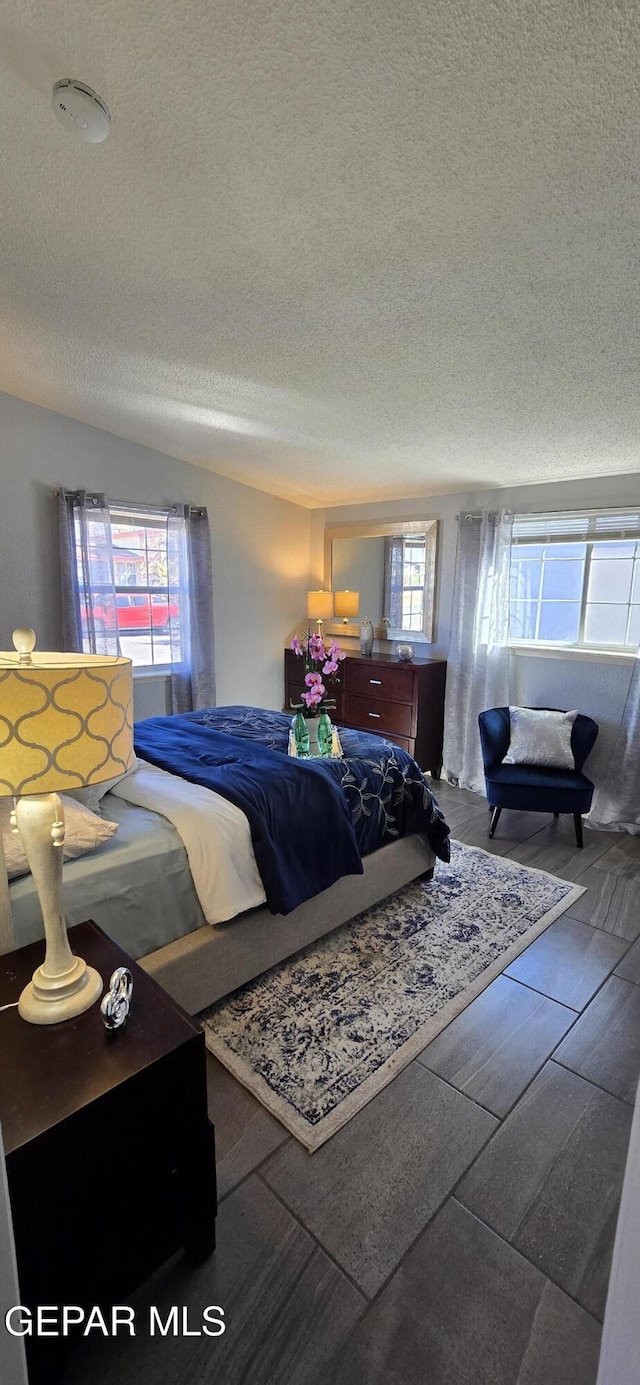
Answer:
[(597, 688), (260, 544)]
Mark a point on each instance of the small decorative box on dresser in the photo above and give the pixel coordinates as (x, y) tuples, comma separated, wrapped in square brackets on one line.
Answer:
[(402, 702)]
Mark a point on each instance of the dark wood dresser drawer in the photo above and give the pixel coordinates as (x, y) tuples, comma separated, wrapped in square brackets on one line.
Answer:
[(405, 742), (377, 715), (366, 680), (294, 690), (402, 741), (295, 686)]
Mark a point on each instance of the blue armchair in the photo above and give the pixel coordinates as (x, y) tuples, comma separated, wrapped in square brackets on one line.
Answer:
[(535, 788)]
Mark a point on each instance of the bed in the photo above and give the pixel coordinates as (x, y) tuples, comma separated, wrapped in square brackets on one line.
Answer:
[(214, 794)]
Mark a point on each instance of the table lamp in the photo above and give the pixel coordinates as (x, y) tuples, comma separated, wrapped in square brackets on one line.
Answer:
[(319, 607), (347, 603), (65, 722)]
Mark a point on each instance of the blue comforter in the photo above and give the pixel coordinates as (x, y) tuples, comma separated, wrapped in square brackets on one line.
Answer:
[(311, 821)]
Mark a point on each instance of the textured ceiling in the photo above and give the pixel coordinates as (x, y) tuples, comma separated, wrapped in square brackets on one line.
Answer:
[(337, 250)]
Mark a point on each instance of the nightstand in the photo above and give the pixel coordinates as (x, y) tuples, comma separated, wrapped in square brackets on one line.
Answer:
[(109, 1149)]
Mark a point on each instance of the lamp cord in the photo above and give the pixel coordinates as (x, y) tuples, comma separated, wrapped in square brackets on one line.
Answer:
[(13, 1006)]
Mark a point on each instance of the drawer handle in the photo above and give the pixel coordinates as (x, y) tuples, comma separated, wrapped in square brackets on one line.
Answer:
[(376, 681), (375, 714)]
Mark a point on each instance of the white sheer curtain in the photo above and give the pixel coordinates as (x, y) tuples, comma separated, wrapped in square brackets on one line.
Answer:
[(89, 615), (616, 806), (478, 659), (393, 581)]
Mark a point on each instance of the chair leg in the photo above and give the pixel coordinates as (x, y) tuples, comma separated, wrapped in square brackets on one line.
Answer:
[(556, 816), (577, 818), (494, 820)]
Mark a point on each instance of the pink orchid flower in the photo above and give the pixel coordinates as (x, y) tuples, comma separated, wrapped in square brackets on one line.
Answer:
[(314, 697), (311, 678), (296, 646), (330, 666), (316, 647)]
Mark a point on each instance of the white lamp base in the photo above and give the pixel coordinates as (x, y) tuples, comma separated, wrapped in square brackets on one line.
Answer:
[(64, 986), (7, 935), (47, 1000)]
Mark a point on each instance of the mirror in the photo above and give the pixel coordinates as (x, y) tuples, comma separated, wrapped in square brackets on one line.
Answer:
[(392, 566)]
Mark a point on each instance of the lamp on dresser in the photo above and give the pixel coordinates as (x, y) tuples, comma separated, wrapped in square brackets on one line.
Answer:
[(347, 604), (319, 607), (65, 723)]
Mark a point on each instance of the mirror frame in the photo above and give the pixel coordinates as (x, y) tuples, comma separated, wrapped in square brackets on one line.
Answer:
[(388, 529)]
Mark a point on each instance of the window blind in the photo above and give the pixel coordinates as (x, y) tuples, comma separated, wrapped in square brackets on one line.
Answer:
[(578, 526)]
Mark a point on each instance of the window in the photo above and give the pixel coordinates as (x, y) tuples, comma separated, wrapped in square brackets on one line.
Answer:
[(575, 580), (414, 561), (143, 605)]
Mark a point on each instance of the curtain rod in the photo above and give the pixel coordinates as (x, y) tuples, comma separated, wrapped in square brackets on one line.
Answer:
[(130, 506), (602, 511)]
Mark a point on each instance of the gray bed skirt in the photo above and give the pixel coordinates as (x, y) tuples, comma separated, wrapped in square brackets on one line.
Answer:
[(207, 964)]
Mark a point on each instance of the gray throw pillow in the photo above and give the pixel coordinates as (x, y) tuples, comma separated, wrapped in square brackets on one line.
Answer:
[(84, 831), (92, 796), (540, 738)]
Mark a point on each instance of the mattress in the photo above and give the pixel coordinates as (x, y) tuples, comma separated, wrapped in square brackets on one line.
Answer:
[(137, 886)]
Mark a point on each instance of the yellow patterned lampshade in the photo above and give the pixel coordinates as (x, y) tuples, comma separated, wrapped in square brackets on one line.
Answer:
[(347, 603), (319, 605), (65, 721)]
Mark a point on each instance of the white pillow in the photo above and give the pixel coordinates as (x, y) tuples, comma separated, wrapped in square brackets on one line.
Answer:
[(540, 738), (83, 832), (92, 796)]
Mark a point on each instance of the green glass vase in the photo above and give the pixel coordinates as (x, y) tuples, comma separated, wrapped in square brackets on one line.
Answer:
[(301, 736), (325, 733)]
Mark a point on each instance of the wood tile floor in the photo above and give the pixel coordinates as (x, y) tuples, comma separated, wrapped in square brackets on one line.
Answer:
[(460, 1228)]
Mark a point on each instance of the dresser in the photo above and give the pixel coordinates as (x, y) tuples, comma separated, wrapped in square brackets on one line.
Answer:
[(402, 702)]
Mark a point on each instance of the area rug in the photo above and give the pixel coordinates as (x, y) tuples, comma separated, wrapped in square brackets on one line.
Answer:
[(321, 1034)]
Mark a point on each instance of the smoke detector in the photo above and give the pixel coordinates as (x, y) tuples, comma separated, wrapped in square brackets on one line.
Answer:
[(81, 111)]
